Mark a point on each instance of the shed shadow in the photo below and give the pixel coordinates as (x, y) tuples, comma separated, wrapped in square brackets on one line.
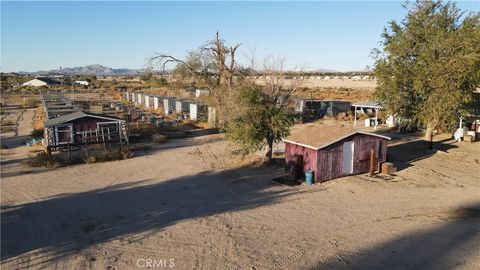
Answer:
[(403, 154)]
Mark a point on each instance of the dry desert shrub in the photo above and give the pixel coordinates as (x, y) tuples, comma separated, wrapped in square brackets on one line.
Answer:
[(37, 133), (107, 155), (344, 117), (159, 139), (42, 159), (143, 130)]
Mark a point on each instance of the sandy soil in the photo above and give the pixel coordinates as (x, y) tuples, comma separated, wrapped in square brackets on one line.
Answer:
[(347, 83), (333, 83), (189, 201)]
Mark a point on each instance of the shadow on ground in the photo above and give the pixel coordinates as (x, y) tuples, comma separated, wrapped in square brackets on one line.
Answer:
[(446, 246), (15, 141), (403, 154), (66, 224)]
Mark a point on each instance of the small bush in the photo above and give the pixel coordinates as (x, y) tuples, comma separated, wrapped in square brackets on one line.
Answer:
[(363, 116), (43, 160), (138, 147), (90, 160), (344, 117), (110, 156), (32, 102), (126, 154), (107, 155), (159, 139), (37, 133), (144, 131)]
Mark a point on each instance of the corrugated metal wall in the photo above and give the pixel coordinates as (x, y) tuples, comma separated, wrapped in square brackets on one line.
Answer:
[(327, 162), (330, 158), (309, 157)]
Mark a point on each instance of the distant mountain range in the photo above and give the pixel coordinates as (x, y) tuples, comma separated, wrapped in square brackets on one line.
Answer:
[(91, 70), (100, 70)]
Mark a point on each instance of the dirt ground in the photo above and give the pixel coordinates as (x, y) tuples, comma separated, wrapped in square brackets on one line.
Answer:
[(188, 204), (338, 83), (333, 83)]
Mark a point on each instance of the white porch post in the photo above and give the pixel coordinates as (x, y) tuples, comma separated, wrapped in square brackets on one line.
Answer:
[(376, 118)]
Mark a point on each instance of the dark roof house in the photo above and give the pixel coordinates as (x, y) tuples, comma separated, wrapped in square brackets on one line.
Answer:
[(81, 129)]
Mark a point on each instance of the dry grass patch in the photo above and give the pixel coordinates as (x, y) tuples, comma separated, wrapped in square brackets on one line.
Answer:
[(59, 160)]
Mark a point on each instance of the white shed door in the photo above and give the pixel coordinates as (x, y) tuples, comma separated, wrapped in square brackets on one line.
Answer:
[(347, 161)]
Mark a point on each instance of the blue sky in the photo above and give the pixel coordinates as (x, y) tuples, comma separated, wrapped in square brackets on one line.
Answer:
[(333, 35)]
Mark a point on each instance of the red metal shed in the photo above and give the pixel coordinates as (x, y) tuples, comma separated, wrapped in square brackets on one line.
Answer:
[(333, 151)]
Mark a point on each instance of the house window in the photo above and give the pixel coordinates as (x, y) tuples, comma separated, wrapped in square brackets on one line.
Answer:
[(64, 134), (108, 129)]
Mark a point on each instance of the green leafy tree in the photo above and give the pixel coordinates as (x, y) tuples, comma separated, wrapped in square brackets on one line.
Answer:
[(260, 125), (429, 65)]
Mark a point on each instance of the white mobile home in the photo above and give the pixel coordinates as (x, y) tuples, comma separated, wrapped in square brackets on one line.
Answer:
[(169, 104), (198, 111), (146, 100), (182, 106), (40, 82), (201, 92)]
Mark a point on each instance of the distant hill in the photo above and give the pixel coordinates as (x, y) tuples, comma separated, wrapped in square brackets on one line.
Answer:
[(92, 70), (101, 70)]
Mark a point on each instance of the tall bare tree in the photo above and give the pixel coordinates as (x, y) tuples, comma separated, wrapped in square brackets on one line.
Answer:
[(214, 65), (254, 113)]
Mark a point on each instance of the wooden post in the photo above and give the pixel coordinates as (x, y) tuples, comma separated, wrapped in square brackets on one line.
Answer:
[(120, 137), (372, 162), (355, 117), (103, 139)]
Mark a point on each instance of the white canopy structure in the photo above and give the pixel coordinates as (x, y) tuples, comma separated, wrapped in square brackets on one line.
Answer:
[(366, 105)]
